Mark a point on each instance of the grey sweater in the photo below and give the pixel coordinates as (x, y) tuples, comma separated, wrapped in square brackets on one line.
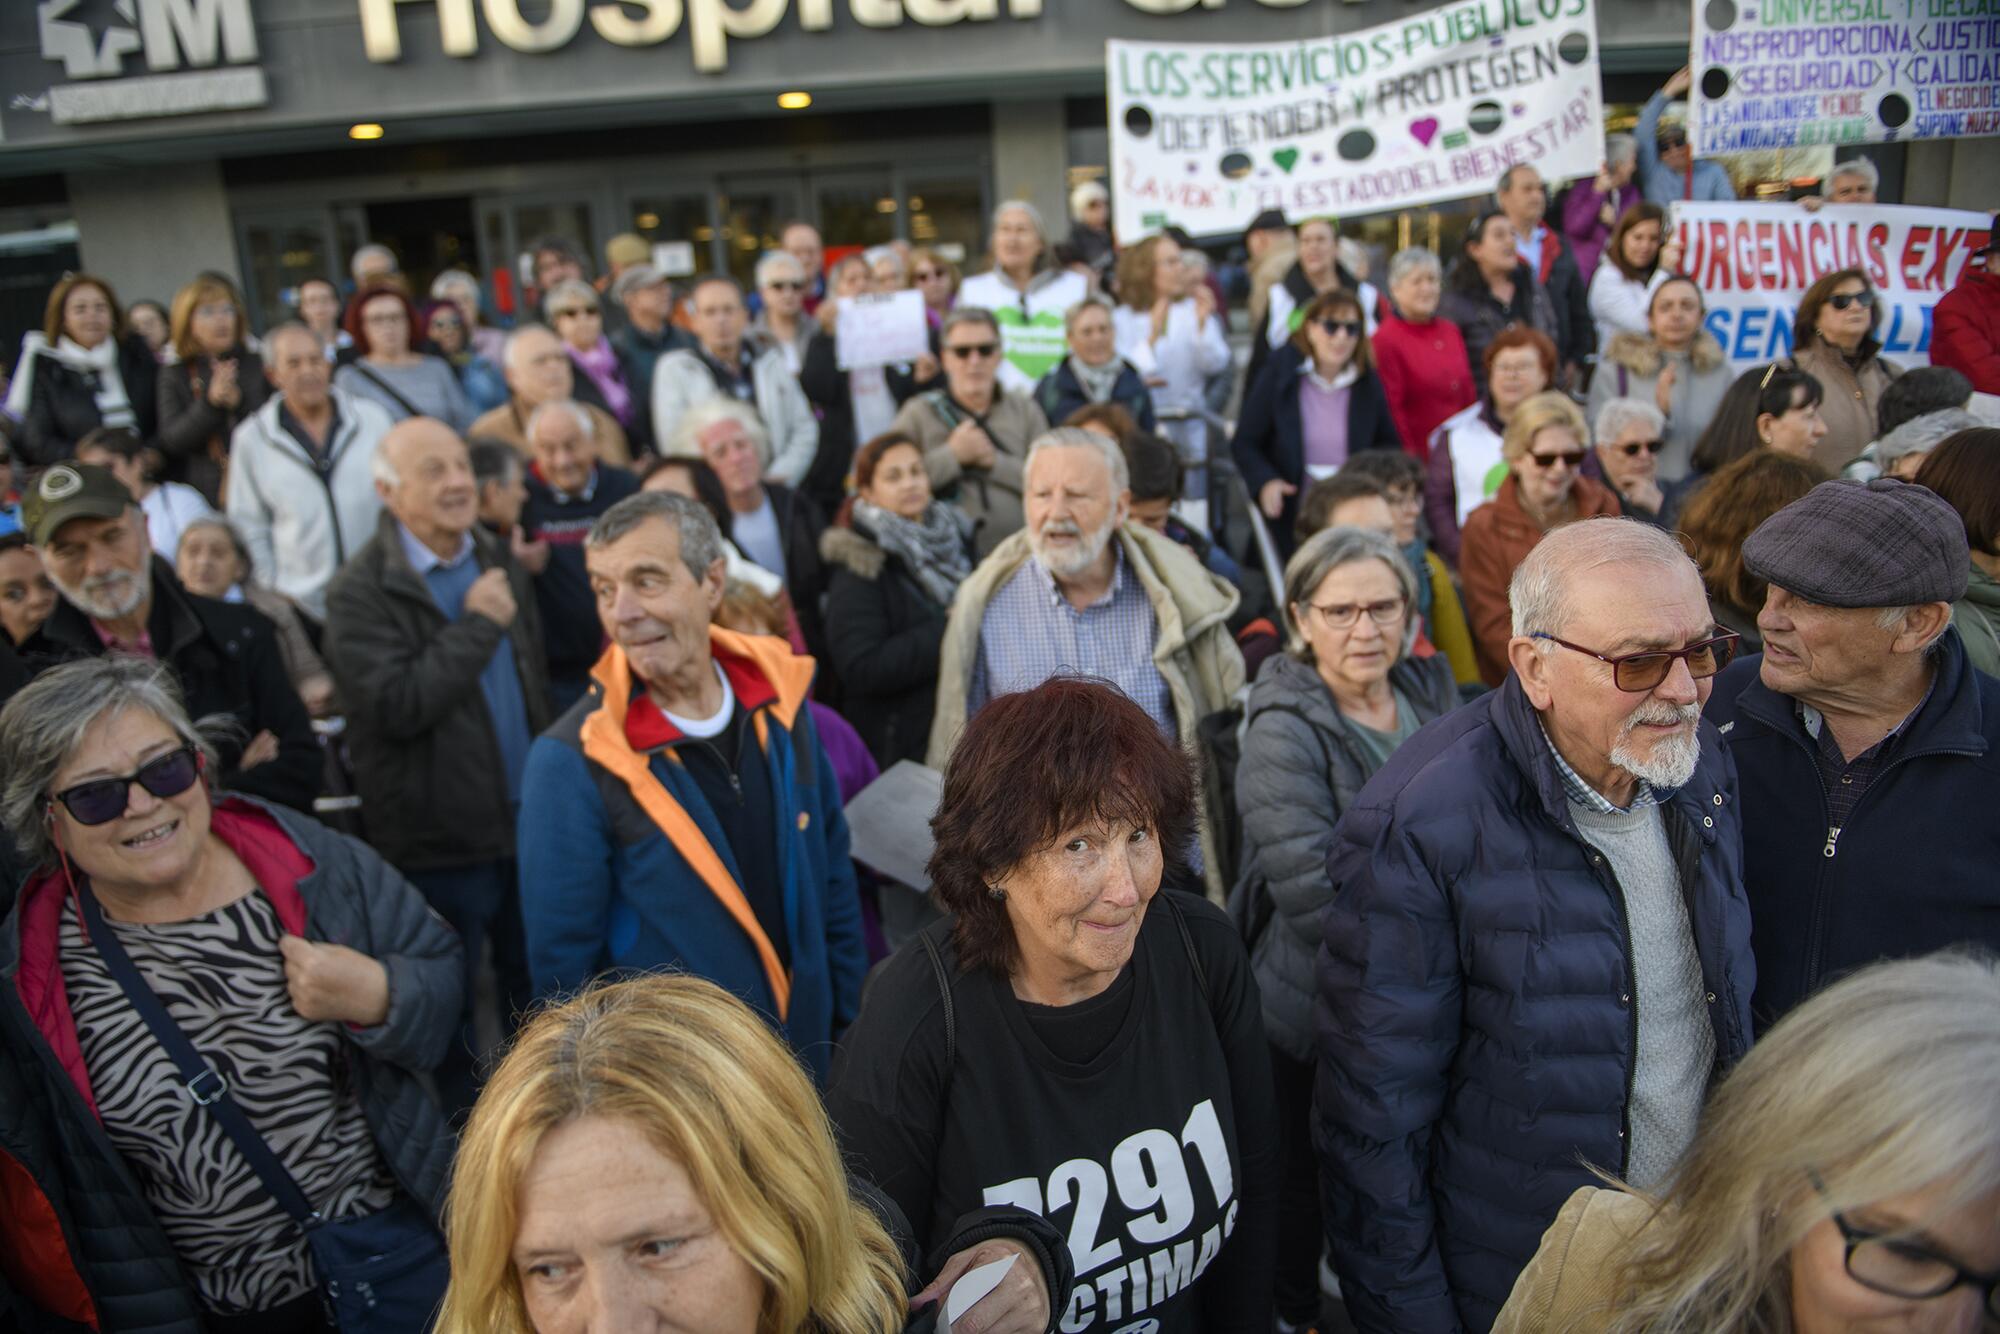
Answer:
[(1675, 1052), (428, 385)]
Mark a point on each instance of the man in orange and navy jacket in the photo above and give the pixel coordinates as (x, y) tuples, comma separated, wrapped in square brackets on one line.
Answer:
[(685, 815)]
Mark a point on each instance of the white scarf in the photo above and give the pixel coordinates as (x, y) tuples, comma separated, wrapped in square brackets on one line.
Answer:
[(97, 365)]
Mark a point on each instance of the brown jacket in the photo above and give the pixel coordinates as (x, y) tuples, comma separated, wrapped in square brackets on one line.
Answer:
[(1851, 398), (1567, 1287), (507, 423), (1497, 537)]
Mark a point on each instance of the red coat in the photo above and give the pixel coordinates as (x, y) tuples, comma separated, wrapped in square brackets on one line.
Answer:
[(1498, 536), (1425, 374), (1965, 329)]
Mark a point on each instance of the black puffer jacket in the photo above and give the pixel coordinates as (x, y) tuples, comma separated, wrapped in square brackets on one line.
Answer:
[(73, 1212), (884, 633), (433, 789), (62, 402), (194, 433)]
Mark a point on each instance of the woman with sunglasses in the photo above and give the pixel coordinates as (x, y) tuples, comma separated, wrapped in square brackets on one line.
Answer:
[(576, 315), (389, 369), (1544, 449), (937, 278), (1845, 1178), (1676, 365), (1316, 403), (1833, 339), (448, 335), (1628, 456), (975, 431), (219, 1015)]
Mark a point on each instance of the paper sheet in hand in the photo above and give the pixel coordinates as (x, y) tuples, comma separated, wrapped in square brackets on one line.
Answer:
[(881, 330), (889, 823), (972, 1285)]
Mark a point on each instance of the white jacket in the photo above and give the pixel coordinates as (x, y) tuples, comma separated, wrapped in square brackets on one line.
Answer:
[(1618, 304), (682, 379), (1032, 333), (301, 523)]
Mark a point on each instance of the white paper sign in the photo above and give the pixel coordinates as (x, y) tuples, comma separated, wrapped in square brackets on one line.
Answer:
[(1785, 73), (1753, 262), (881, 329), (674, 258), (889, 823), (972, 1286), (1432, 106)]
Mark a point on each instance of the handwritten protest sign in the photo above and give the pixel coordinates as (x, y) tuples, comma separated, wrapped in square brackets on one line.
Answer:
[(1754, 261), (1785, 73), (1432, 106), (882, 329)]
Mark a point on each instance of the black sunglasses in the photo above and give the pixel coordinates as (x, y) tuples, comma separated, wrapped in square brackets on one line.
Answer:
[(786, 285), (1631, 448), (1842, 300), (972, 349), (104, 799), (1352, 328), (1636, 673), (1551, 460)]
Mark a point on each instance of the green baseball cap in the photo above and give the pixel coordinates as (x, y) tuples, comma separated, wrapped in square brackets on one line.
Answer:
[(71, 491)]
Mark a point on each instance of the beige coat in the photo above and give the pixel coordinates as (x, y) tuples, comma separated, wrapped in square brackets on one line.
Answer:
[(1566, 1288), (1850, 402), (1195, 653), (990, 497), (507, 423)]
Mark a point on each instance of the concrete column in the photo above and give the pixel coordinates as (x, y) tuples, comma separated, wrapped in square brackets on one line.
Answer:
[(1954, 173), (147, 231), (1030, 159)]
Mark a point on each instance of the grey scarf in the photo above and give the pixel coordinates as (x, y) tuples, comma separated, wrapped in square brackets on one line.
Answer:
[(933, 550), (1097, 382)]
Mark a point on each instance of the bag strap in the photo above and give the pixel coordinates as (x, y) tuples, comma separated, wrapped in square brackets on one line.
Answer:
[(408, 407), (1187, 939), (944, 992), (205, 1084)]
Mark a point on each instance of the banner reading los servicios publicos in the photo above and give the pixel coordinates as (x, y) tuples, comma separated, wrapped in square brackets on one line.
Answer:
[(1753, 262), (1785, 73), (1430, 107)]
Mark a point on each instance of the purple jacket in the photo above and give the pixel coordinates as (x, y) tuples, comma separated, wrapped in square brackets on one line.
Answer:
[(1586, 232), (853, 767)]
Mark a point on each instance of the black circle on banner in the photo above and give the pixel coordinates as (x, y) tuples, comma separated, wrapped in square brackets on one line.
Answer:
[(1720, 15), (1575, 48), (1714, 82), (1895, 110), (1236, 165), (1485, 117), (1138, 121), (1356, 146)]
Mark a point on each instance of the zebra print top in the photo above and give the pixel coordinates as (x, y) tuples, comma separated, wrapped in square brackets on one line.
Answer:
[(222, 979)]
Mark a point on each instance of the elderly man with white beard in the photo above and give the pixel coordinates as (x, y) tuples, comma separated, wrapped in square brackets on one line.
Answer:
[(1537, 954), (1081, 591)]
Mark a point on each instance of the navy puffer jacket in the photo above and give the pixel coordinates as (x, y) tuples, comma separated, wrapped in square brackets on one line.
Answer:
[(1474, 1025)]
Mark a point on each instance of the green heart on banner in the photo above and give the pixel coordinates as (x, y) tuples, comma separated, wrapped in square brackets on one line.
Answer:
[(1286, 158), (1034, 346)]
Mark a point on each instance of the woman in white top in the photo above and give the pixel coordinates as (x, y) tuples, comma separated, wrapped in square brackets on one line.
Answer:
[(1028, 299), (169, 506), (1638, 258), (1317, 271), (1169, 331)]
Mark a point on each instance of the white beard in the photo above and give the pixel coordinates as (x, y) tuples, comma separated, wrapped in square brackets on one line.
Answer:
[(1672, 760), (107, 597), (1079, 557)]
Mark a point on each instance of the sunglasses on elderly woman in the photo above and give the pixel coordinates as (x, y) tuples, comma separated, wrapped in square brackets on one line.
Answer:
[(1636, 673), (1842, 300), (576, 310), (971, 349), (1574, 460), (1630, 449), (1352, 328), (102, 800), (786, 285)]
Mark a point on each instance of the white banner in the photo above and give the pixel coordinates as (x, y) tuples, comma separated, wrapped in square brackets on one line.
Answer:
[(1430, 107), (881, 329), (1753, 262), (1785, 73)]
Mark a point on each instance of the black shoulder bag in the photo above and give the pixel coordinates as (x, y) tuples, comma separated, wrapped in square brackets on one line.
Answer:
[(381, 1273)]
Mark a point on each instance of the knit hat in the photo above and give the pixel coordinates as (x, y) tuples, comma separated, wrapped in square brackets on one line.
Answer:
[(1883, 543), (627, 248)]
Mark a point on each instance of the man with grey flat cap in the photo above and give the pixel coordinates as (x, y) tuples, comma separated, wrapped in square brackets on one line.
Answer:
[(1867, 747)]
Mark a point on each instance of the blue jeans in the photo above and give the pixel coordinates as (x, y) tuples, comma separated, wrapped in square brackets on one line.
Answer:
[(481, 902)]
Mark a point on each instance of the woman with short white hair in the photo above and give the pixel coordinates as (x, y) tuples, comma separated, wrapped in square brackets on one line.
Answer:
[(1420, 357), (1630, 434), (576, 313), (1845, 1177), (1027, 297), (782, 322)]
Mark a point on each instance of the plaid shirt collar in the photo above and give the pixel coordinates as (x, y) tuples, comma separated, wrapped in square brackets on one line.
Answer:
[(1588, 797), (1058, 599)]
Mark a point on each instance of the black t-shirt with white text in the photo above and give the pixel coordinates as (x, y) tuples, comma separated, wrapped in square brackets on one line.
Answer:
[(1155, 1155)]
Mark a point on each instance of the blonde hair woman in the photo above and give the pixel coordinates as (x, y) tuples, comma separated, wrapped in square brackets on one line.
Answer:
[(217, 382), (1845, 1177), (650, 1148)]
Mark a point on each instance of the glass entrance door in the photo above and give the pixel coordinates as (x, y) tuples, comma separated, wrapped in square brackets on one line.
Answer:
[(509, 225), (752, 209), (278, 250)]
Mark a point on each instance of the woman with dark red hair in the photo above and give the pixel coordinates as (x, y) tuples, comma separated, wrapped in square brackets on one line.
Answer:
[(382, 321), (1075, 1039)]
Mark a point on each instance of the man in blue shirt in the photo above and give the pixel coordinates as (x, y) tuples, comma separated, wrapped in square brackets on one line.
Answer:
[(1668, 172), (435, 646)]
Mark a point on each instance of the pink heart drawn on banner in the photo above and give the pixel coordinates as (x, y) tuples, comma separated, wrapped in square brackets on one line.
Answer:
[(1425, 130)]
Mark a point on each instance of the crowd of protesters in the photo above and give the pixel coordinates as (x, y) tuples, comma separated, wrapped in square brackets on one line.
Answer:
[(1560, 897)]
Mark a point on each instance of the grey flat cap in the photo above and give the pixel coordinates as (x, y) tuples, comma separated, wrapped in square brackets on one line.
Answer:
[(1883, 543)]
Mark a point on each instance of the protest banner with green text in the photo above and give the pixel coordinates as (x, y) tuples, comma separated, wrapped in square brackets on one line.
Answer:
[(1790, 73), (1753, 262), (1430, 107)]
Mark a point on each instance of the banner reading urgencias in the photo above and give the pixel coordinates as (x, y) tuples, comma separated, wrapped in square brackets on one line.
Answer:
[(1754, 262), (1785, 73), (1433, 106)]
